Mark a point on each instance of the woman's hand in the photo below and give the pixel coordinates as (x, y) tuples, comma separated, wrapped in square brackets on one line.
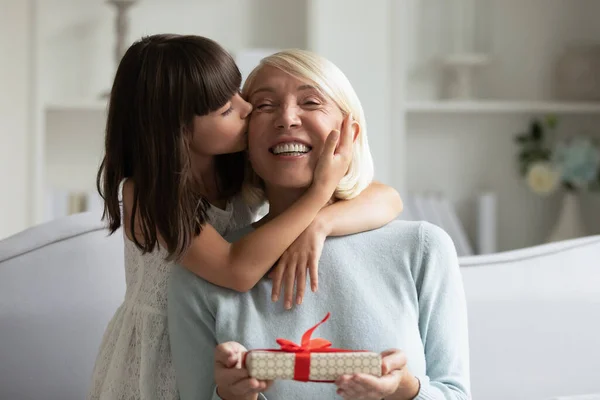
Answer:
[(395, 383), (335, 159), (291, 268), (233, 382)]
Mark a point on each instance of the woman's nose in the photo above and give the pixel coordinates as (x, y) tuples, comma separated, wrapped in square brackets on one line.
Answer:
[(288, 118)]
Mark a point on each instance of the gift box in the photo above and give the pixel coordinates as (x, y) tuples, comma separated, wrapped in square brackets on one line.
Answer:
[(314, 360)]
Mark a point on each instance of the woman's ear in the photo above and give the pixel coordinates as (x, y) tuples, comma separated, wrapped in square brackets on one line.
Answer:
[(355, 130)]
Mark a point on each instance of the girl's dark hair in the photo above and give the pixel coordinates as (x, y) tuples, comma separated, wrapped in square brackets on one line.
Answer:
[(162, 82)]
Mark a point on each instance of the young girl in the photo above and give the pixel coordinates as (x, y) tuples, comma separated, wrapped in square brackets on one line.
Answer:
[(175, 138)]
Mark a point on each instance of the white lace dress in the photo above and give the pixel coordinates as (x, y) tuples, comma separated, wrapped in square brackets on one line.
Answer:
[(134, 360)]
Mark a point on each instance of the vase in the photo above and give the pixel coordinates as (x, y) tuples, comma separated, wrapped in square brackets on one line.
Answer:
[(569, 224)]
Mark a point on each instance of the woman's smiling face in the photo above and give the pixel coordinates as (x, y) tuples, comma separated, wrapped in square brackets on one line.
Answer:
[(288, 127)]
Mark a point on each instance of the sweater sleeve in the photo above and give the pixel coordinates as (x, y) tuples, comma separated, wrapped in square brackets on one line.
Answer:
[(192, 336), (442, 318)]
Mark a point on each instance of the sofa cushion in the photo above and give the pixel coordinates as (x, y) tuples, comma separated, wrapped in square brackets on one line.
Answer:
[(60, 283)]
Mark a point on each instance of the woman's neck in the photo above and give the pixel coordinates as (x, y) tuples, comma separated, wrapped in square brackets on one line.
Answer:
[(280, 199)]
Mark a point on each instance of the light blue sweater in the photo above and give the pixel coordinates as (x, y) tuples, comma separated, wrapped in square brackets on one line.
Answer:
[(395, 287)]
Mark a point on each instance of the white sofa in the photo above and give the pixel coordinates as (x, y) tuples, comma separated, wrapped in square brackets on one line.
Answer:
[(534, 321), (534, 314)]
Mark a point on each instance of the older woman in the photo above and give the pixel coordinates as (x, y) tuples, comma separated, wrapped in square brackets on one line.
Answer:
[(394, 287)]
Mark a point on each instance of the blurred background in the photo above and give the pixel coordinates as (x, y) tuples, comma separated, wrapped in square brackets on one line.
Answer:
[(484, 114)]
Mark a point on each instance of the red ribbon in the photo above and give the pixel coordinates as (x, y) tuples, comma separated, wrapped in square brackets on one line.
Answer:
[(304, 350), (307, 345)]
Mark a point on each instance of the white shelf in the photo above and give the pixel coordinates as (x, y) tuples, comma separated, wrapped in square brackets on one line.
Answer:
[(487, 107)]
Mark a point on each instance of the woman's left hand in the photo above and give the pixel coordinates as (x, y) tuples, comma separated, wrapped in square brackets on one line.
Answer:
[(396, 382), (303, 254)]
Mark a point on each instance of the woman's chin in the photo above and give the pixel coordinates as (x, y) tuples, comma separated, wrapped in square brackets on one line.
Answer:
[(291, 183)]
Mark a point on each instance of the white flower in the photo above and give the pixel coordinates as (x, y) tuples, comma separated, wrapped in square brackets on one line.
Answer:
[(543, 178)]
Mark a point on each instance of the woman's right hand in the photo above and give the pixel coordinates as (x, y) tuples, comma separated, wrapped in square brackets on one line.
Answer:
[(231, 378), (335, 159)]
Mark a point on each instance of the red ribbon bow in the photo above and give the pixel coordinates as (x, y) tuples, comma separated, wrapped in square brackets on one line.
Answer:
[(307, 344), (303, 351)]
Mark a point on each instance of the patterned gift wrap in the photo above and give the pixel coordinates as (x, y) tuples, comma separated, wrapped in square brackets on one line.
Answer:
[(313, 360), (324, 367)]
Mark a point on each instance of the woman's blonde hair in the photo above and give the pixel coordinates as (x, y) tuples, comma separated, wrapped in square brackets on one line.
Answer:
[(332, 82)]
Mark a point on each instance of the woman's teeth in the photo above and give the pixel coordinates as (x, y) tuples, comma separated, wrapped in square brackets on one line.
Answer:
[(290, 149)]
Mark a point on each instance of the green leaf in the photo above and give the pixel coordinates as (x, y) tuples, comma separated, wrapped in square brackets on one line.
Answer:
[(546, 154), (551, 121), (522, 138), (524, 155), (523, 169), (537, 131)]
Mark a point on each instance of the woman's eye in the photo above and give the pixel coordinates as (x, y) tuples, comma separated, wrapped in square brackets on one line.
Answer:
[(264, 106), (227, 112), (312, 103)]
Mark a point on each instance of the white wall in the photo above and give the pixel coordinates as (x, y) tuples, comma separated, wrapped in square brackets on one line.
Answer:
[(82, 132), (277, 23), (14, 115), (399, 18), (355, 35)]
